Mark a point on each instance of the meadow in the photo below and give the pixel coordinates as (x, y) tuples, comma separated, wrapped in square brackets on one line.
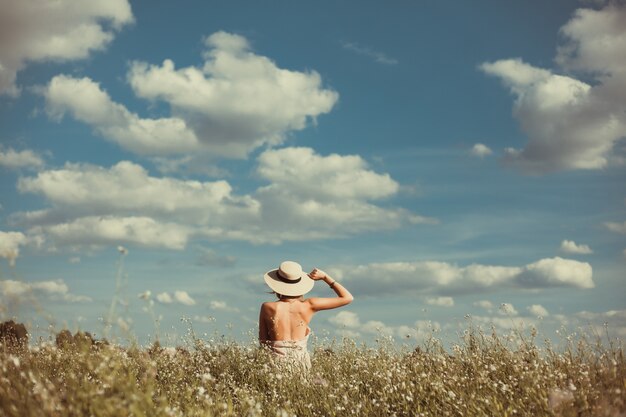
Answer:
[(485, 374)]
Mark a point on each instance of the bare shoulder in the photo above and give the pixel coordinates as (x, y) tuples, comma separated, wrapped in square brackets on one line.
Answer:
[(312, 302), (268, 306)]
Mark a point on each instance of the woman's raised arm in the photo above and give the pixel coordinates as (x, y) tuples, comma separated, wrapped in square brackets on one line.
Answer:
[(343, 295)]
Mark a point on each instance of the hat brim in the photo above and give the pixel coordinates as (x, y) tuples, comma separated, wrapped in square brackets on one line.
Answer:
[(285, 288)]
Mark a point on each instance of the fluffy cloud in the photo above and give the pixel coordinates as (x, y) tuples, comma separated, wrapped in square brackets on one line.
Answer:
[(538, 310), (127, 188), (507, 309), (480, 150), (557, 272), (611, 321), (595, 41), (104, 230), (350, 325), (10, 243), (325, 196), (440, 301), (87, 102), (13, 159), (55, 290), (505, 323), (184, 298), (309, 197), (223, 306), (345, 319), (164, 298), (571, 124), (397, 278), (569, 246), (486, 304), (236, 102), (124, 204), (616, 227), (179, 296), (204, 319), (32, 31), (301, 170)]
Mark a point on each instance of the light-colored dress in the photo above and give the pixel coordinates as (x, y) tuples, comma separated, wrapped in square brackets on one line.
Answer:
[(293, 354)]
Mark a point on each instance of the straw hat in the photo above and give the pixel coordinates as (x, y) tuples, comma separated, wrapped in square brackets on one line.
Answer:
[(289, 279)]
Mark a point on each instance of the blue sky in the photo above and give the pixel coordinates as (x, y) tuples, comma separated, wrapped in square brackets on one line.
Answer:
[(440, 159)]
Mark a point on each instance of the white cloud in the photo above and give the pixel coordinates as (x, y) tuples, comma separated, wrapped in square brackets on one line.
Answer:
[(74, 260), (538, 310), (616, 227), (587, 322), (350, 325), (345, 319), (127, 188), (164, 298), (123, 204), (108, 231), (179, 296), (486, 304), (400, 278), (569, 246), (55, 290), (595, 41), (505, 323), (218, 305), (184, 298), (97, 206), (571, 124), (236, 102), (377, 56), (87, 102), (507, 309), (13, 159), (222, 305), (63, 30), (10, 243), (302, 171), (313, 196), (480, 150), (440, 301), (557, 272), (204, 319), (612, 321)]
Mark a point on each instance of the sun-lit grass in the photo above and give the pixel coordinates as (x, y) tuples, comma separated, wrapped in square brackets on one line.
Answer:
[(484, 375)]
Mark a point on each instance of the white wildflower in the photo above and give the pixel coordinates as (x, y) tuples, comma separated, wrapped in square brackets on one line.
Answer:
[(15, 360)]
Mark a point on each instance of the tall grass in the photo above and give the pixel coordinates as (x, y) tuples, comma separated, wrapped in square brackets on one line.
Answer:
[(483, 375)]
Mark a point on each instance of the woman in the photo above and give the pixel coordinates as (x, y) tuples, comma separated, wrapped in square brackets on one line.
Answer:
[(284, 324)]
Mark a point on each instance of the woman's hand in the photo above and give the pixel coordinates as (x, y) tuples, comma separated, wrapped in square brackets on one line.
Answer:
[(317, 274)]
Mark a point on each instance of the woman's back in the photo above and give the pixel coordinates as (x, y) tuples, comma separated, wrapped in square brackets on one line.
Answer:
[(287, 319)]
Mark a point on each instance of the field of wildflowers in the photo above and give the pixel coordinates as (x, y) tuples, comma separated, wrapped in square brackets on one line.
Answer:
[(483, 375)]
